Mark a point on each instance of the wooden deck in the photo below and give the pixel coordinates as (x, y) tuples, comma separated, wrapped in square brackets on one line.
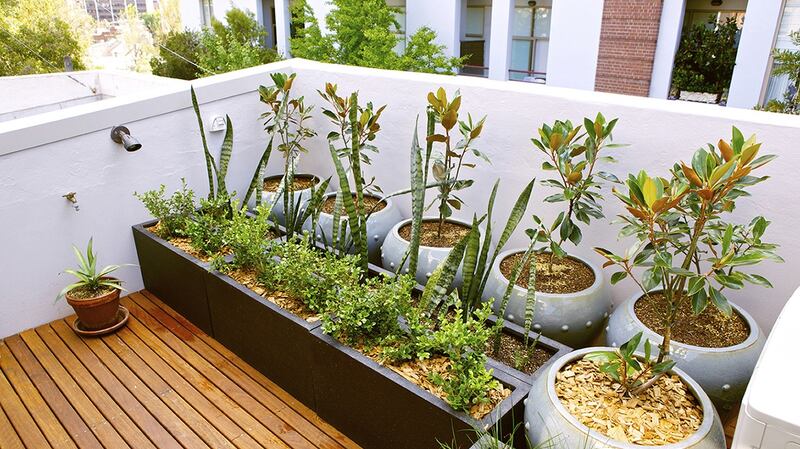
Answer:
[(159, 382)]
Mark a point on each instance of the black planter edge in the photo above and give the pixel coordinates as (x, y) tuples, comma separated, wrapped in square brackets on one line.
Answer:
[(500, 411), (142, 228)]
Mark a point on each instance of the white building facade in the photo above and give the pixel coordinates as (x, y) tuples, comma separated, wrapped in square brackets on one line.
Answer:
[(622, 46)]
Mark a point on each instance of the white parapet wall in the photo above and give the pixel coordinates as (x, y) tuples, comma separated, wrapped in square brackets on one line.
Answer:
[(45, 157)]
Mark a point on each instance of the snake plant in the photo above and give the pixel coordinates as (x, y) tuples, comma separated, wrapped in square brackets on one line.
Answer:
[(216, 172)]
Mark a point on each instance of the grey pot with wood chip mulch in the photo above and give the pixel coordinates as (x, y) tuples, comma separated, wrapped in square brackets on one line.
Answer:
[(573, 405)]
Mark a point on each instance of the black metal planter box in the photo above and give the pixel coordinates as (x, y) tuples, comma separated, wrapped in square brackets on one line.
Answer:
[(176, 277), (272, 340), (378, 408)]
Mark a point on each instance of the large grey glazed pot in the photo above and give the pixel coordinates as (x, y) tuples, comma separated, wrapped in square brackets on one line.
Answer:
[(301, 198), (378, 226), (549, 423), (722, 372), (395, 247), (574, 319)]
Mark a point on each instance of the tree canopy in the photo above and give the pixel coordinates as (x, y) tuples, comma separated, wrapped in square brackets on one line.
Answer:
[(366, 33)]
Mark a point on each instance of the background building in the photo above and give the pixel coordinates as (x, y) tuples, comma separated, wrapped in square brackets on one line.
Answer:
[(621, 46)]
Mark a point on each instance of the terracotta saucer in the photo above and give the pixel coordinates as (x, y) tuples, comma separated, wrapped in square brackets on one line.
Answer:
[(122, 318)]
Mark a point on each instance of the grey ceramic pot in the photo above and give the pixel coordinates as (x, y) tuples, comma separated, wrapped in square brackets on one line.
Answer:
[(378, 226), (722, 372), (395, 247), (549, 423), (301, 198), (574, 319)]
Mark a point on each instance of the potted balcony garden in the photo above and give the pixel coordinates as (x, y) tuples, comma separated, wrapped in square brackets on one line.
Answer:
[(94, 295), (691, 255), (355, 128), (617, 398), (572, 303), (438, 234)]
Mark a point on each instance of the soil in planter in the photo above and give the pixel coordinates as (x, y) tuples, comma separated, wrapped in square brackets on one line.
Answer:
[(301, 182), (185, 244), (709, 329), (665, 413), (419, 372), (567, 275), (88, 293), (511, 350), (370, 202), (452, 233), (281, 299)]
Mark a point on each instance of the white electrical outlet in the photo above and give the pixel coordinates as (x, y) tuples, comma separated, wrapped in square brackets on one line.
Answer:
[(217, 124)]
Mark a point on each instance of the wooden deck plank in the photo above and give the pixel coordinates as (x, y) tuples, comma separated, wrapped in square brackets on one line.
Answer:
[(158, 382), (215, 373), (135, 426), (8, 436), (185, 388), (19, 416), (100, 424), (211, 379), (140, 369), (251, 372), (59, 404), (162, 426), (52, 429), (238, 376)]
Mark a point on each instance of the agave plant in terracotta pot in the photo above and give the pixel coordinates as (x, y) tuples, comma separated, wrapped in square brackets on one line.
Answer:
[(430, 239), (692, 256), (570, 295), (95, 294)]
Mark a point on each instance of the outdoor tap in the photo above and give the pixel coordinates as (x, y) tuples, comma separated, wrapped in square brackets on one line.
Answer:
[(71, 197), (121, 134)]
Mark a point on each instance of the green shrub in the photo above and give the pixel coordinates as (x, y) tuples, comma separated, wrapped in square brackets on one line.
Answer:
[(173, 213), (705, 58), (237, 44), (175, 54), (248, 240)]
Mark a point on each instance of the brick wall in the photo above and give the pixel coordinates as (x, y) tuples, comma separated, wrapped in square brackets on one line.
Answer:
[(628, 39)]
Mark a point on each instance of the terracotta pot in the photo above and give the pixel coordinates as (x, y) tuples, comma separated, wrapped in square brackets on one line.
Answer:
[(98, 312)]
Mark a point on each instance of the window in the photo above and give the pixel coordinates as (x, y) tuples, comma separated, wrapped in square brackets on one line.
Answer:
[(206, 12), (475, 20), (699, 16), (530, 42), (790, 21)]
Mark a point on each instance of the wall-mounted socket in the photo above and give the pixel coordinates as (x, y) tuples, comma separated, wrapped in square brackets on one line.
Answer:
[(217, 124)]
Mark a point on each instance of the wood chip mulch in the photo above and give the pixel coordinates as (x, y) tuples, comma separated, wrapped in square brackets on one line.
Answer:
[(249, 279), (665, 413)]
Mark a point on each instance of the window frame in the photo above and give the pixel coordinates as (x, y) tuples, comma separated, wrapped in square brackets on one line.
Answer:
[(532, 39)]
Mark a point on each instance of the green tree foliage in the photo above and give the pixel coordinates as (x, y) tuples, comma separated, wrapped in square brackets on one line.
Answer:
[(236, 44), (364, 33), (176, 50), (36, 36), (787, 62), (705, 59), (138, 39)]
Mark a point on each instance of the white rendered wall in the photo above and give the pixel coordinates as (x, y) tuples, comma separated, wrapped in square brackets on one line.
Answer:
[(574, 43), (191, 16), (669, 37), (45, 157), (755, 47), (442, 16)]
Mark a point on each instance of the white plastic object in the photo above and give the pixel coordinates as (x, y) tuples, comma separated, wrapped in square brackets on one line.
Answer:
[(770, 414), (217, 124)]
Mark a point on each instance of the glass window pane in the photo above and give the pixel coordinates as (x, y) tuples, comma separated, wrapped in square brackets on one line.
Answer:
[(475, 21), (540, 58), (520, 58), (790, 22), (541, 27), (522, 22)]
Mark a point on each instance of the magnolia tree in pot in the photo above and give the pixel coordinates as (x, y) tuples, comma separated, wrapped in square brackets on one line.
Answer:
[(620, 399), (286, 123), (571, 300), (691, 255), (357, 218), (439, 233)]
